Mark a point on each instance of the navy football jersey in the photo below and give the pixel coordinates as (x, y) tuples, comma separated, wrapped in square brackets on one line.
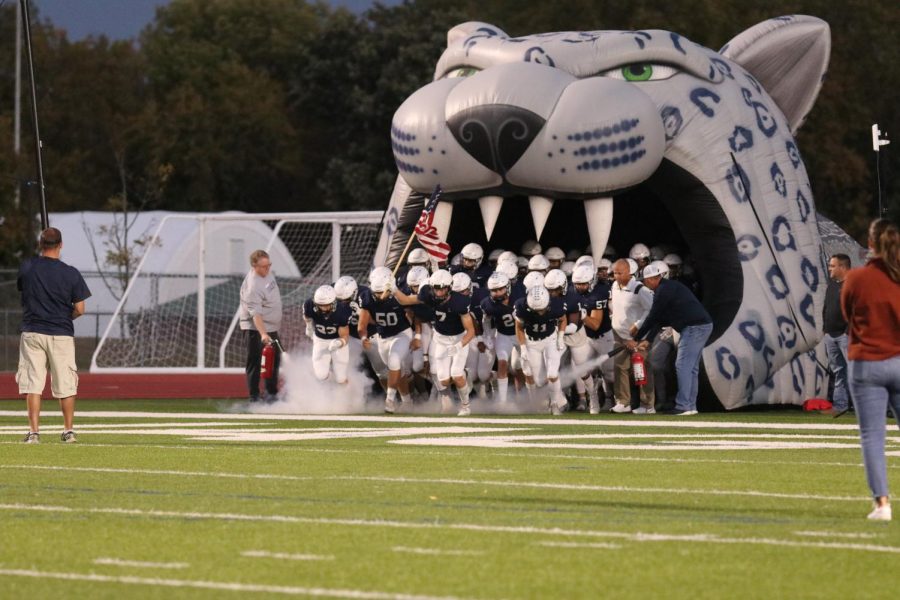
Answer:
[(573, 306), (478, 294), (354, 315), (389, 315), (502, 318), (479, 276), (517, 291), (597, 299), (326, 325), (448, 312), (539, 326)]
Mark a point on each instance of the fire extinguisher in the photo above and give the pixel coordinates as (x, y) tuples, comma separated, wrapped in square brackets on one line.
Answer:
[(267, 361), (638, 370)]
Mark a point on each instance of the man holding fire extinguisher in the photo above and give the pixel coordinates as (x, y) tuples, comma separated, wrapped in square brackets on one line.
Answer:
[(676, 306), (630, 304), (260, 318)]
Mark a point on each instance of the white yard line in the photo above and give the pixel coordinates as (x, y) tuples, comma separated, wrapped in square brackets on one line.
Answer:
[(436, 551), (285, 556), (222, 586), (837, 534), (612, 422), (119, 562), (579, 545), (461, 482), (523, 530)]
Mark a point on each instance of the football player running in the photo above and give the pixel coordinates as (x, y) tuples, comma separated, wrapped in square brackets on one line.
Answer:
[(424, 316), (594, 300), (453, 330), (499, 325), (481, 359), (348, 292), (470, 264), (328, 322), (394, 334), (540, 325)]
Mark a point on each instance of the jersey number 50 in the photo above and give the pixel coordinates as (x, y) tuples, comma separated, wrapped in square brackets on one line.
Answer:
[(386, 319)]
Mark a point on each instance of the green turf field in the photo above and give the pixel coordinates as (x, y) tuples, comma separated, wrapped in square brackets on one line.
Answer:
[(191, 500)]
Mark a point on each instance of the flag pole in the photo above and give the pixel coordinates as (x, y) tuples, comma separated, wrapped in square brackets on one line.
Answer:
[(435, 195)]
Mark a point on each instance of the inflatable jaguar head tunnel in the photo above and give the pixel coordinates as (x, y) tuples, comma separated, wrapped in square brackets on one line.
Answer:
[(617, 137)]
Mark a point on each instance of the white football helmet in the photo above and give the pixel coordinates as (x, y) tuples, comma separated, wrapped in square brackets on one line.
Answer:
[(568, 267), (381, 280), (538, 298), (583, 274), (555, 253), (325, 298), (473, 253), (417, 256), (672, 259), (441, 280), (510, 269), (632, 266), (530, 248), (461, 283), (639, 252), (555, 280), (585, 260), (507, 256), (533, 279), (416, 276), (538, 262), (659, 267), (604, 263), (498, 282), (345, 288)]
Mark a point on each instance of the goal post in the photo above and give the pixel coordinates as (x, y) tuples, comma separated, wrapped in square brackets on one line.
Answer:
[(179, 311)]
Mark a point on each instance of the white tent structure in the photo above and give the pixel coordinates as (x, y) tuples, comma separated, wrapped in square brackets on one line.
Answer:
[(88, 236)]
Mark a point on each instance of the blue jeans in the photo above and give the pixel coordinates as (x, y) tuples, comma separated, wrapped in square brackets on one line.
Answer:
[(836, 349), (874, 384), (687, 364)]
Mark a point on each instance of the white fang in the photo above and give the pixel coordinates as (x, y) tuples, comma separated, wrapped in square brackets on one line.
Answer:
[(540, 212), (599, 214), (490, 209)]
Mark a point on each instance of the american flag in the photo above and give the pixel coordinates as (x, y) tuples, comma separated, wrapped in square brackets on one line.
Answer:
[(427, 233)]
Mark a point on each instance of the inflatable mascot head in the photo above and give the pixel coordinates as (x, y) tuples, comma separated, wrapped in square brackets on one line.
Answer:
[(600, 120)]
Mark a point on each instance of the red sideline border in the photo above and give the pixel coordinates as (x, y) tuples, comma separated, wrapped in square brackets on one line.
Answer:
[(105, 386)]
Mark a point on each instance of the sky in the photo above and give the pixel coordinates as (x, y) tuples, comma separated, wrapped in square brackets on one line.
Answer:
[(120, 19)]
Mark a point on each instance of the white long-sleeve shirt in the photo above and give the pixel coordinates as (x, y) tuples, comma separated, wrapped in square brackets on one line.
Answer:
[(629, 306)]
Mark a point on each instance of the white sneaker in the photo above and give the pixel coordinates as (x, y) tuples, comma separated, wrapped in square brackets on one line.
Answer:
[(880, 513), (620, 408), (446, 404), (595, 406), (464, 412), (644, 411), (389, 405)]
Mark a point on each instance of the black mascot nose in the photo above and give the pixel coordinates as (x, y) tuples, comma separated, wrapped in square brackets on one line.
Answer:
[(496, 135)]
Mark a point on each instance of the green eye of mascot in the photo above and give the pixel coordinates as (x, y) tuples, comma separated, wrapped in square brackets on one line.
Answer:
[(583, 116)]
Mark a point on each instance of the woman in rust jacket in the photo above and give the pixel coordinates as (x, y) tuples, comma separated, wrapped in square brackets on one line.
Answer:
[(870, 301)]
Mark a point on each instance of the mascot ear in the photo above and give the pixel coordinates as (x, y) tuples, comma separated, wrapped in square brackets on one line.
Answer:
[(470, 28), (789, 57)]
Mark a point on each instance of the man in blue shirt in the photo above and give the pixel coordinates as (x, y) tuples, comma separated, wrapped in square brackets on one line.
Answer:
[(675, 306), (53, 295)]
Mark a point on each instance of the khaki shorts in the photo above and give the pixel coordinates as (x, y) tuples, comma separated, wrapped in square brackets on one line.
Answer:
[(38, 351)]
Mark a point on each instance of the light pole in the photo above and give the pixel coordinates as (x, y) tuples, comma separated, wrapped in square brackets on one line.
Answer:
[(877, 143)]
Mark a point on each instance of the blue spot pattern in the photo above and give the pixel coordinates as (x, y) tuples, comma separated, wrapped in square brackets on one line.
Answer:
[(672, 121), (748, 247), (728, 364), (793, 153), (756, 336), (748, 96), (741, 139), (806, 307), (753, 82), (676, 42), (408, 168), (397, 136), (810, 274), (764, 119), (778, 179), (699, 97), (538, 56), (623, 126), (777, 283), (797, 374), (628, 147), (722, 67), (639, 37), (482, 33), (738, 183), (401, 135), (782, 235), (787, 332), (820, 380), (803, 206), (582, 37), (404, 150)]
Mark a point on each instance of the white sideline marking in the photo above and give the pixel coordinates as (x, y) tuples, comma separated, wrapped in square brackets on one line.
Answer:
[(837, 534), (554, 531), (611, 422), (18, 428), (579, 545), (436, 551), (118, 562), (472, 482), (285, 556), (507, 442), (222, 585)]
